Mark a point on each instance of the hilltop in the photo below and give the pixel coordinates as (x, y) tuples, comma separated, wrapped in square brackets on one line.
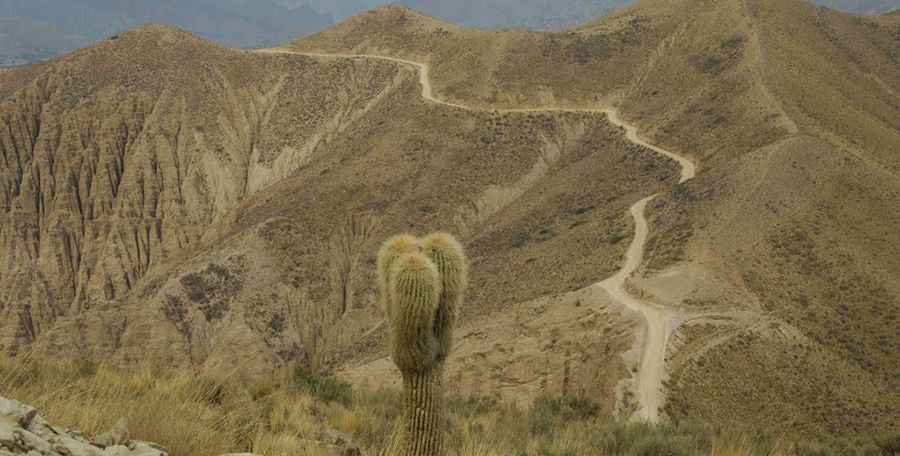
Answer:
[(790, 109), (34, 30)]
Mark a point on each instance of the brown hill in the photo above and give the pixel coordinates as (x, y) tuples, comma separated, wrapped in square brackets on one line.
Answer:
[(785, 237), (167, 198), (121, 158)]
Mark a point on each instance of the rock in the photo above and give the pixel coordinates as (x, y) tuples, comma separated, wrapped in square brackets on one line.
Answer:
[(23, 432), (116, 450), (146, 449), (118, 435), (26, 419)]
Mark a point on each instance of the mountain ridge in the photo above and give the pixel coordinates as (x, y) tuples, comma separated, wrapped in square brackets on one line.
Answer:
[(198, 214), (743, 77)]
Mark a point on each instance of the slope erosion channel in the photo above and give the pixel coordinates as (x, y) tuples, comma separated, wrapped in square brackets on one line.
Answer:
[(659, 322)]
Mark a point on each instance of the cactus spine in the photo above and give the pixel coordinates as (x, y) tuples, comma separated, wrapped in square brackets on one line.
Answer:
[(422, 283)]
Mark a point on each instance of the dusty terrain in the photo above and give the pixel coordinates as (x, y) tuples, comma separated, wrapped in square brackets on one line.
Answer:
[(184, 246), (791, 112), (184, 201)]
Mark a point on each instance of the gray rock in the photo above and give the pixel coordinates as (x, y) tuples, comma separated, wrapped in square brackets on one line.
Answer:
[(23, 432), (116, 450), (139, 448), (118, 435)]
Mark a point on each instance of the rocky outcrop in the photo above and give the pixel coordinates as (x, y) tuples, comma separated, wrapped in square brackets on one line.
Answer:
[(24, 432)]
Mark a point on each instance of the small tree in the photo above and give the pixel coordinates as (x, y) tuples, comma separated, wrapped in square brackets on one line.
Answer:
[(346, 247), (312, 324)]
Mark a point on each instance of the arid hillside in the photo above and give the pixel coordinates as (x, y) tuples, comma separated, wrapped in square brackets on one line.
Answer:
[(192, 204), (781, 254), (165, 198), (119, 159)]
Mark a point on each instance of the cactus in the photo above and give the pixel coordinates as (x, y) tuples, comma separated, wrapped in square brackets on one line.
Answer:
[(422, 283), (390, 251)]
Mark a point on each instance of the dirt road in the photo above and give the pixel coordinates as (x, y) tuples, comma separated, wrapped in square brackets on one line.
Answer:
[(659, 322)]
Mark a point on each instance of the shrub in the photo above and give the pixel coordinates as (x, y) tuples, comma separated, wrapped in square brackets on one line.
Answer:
[(470, 406), (549, 410), (325, 388)]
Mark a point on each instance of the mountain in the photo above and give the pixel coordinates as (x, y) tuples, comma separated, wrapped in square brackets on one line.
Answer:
[(47, 28), (862, 6), (35, 30), (536, 14), (24, 40), (785, 236), (540, 14), (165, 199), (189, 206)]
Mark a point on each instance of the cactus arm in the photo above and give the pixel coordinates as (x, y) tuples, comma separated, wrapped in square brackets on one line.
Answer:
[(450, 258), (387, 255), (414, 292)]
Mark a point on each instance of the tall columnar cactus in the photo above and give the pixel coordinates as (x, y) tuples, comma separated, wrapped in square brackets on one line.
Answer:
[(422, 283)]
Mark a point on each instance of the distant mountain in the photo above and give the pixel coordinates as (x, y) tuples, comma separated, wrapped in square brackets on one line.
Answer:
[(539, 14), (339, 9), (24, 40), (46, 28), (862, 6), (38, 29)]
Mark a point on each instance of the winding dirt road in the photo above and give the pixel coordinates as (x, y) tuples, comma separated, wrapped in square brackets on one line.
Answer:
[(660, 322)]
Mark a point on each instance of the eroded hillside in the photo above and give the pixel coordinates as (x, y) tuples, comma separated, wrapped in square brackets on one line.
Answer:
[(120, 159)]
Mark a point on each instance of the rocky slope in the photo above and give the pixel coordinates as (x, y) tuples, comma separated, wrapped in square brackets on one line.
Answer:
[(24, 432)]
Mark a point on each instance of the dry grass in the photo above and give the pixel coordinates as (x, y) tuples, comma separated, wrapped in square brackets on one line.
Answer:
[(190, 414), (203, 414)]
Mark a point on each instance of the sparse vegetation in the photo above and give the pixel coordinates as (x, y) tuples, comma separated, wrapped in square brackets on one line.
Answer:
[(547, 411), (198, 414), (324, 388), (782, 104)]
